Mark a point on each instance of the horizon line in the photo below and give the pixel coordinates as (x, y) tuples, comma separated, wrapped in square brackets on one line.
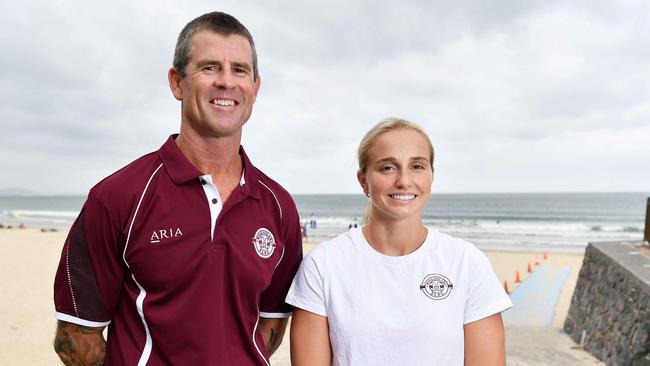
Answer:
[(361, 194)]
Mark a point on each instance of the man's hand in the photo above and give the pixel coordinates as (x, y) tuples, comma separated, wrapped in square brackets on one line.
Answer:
[(272, 332), (78, 345)]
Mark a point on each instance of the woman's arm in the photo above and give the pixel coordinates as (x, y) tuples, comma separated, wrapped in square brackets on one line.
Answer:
[(485, 342), (310, 339)]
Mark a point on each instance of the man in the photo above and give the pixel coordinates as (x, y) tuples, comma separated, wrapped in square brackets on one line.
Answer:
[(187, 253)]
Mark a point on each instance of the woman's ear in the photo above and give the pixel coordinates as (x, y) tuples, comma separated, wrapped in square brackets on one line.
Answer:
[(361, 177)]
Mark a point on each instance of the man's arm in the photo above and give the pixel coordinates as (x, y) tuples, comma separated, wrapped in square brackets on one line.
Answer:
[(78, 345), (272, 332)]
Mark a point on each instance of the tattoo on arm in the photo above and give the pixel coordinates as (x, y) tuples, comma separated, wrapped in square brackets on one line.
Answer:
[(273, 340), (272, 333), (78, 345)]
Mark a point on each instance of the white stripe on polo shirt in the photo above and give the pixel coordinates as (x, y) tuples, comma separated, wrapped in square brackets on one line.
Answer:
[(212, 192), (274, 196), (146, 351), (214, 200), (128, 236), (274, 315), (255, 343), (79, 321)]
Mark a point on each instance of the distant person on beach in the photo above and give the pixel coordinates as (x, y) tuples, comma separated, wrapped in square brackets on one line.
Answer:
[(354, 223), (395, 292), (187, 253), (312, 221), (304, 230)]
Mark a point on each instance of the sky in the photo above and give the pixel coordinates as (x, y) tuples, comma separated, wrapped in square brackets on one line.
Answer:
[(517, 96)]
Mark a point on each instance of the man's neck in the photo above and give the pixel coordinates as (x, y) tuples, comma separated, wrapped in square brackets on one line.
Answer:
[(211, 155), (217, 156)]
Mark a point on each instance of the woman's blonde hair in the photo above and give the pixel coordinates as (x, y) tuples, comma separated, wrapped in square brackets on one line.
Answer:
[(389, 124)]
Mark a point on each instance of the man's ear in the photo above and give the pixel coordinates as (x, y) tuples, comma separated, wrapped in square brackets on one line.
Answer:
[(175, 80), (256, 87)]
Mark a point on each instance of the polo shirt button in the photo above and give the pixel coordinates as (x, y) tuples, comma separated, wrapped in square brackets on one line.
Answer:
[(202, 181), (214, 200)]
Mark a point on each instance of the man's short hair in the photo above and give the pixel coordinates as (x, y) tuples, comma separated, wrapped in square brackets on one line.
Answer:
[(218, 22)]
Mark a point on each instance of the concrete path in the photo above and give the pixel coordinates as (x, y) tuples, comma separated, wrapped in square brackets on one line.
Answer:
[(531, 339), (534, 301), (544, 346)]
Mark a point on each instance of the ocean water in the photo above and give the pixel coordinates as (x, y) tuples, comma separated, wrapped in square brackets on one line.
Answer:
[(560, 222), (563, 222)]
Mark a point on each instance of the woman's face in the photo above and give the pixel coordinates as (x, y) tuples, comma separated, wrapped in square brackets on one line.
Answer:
[(398, 176)]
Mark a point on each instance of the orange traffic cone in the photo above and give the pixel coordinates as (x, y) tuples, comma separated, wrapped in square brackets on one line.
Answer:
[(517, 277), (545, 256), (530, 269), (505, 287)]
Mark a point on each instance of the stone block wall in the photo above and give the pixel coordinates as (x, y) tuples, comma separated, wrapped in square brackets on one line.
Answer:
[(610, 308)]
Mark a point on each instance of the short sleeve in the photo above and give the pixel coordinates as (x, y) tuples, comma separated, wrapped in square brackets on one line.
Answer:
[(485, 295), (307, 291), (90, 274), (272, 304)]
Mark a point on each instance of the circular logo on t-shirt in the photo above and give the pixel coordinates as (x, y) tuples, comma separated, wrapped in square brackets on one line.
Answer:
[(436, 286), (264, 242)]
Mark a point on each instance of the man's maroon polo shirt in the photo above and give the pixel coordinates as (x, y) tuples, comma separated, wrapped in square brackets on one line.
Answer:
[(140, 257)]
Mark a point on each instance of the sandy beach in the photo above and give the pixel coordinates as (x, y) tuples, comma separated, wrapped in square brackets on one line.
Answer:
[(28, 261)]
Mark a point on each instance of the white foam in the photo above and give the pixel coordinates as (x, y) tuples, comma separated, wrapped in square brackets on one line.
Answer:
[(39, 213)]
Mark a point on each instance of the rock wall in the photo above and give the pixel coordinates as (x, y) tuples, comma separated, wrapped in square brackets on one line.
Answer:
[(610, 308)]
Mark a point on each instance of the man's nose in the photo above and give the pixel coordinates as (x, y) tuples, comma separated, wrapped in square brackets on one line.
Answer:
[(225, 80)]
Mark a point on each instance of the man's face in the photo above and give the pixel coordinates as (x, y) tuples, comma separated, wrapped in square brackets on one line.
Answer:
[(218, 90)]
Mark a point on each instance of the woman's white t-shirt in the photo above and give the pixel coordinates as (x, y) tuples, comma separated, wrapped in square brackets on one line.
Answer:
[(397, 310)]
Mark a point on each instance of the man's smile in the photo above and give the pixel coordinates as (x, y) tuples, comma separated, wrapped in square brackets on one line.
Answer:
[(224, 102)]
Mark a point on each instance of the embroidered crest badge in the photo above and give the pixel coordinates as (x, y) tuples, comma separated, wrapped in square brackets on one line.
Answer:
[(436, 286), (264, 242)]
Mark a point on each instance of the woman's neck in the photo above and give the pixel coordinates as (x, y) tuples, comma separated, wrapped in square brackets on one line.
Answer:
[(395, 238)]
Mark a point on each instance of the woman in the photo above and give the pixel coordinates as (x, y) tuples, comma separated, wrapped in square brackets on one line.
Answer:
[(395, 292)]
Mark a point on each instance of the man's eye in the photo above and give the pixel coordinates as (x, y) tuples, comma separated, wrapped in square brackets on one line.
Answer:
[(387, 168), (210, 68), (419, 167)]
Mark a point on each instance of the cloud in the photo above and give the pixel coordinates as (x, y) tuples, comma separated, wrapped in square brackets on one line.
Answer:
[(508, 89)]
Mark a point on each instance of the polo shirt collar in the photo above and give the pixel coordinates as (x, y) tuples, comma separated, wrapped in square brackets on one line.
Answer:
[(182, 170), (176, 164), (249, 181)]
